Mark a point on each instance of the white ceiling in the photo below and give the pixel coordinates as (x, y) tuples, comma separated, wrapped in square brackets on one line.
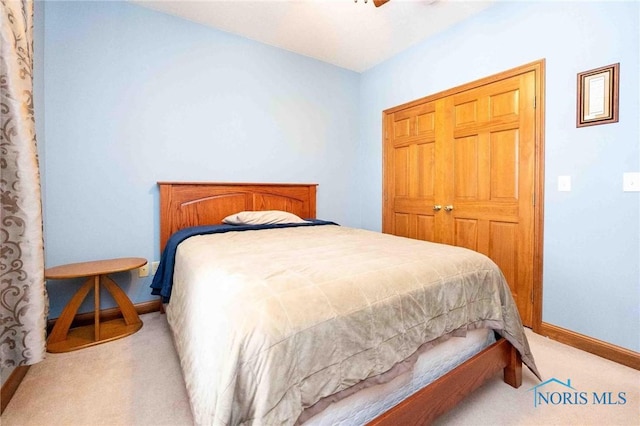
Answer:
[(352, 35)]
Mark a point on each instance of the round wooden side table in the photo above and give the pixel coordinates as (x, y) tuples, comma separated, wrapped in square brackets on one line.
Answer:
[(63, 339)]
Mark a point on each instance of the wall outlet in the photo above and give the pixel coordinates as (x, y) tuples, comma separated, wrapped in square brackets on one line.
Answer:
[(564, 183), (154, 267), (143, 271), (631, 182)]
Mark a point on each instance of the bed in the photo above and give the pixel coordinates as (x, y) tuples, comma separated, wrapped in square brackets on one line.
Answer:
[(298, 323)]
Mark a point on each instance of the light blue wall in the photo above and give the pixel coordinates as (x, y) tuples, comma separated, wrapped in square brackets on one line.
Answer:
[(592, 235), (133, 96)]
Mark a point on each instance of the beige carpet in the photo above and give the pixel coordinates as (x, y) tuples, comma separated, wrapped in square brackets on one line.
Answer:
[(137, 381)]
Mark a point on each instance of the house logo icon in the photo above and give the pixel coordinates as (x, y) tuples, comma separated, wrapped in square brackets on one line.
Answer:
[(566, 394)]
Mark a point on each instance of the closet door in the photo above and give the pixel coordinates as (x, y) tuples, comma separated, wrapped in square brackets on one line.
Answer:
[(411, 154), (460, 170), (489, 151)]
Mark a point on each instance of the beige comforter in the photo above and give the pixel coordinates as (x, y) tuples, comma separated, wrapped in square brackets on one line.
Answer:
[(268, 322)]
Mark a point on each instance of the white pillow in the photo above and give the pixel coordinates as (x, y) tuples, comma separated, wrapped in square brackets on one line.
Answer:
[(266, 217)]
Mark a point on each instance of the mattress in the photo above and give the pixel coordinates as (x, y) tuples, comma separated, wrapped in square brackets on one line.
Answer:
[(367, 404)]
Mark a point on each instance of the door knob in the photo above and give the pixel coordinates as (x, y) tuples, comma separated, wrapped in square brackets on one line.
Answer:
[(437, 207), (448, 208)]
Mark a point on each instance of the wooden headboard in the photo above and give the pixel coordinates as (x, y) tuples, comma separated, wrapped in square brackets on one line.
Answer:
[(185, 204)]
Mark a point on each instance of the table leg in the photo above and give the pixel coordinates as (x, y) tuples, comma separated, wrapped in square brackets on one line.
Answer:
[(61, 329), (124, 303)]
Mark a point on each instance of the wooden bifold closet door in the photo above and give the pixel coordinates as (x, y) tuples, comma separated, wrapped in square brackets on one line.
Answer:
[(460, 169)]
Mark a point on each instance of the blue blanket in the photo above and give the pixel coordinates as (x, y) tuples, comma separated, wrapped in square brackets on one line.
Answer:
[(163, 279)]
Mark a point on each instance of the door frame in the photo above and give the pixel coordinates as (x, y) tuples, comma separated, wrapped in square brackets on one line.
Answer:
[(538, 209)]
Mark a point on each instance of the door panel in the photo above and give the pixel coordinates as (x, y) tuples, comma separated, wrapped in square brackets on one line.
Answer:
[(402, 225), (504, 165), (401, 127), (401, 169), (425, 228), (504, 104), (465, 168), (465, 112), (503, 251), (425, 166), (466, 233), (425, 121)]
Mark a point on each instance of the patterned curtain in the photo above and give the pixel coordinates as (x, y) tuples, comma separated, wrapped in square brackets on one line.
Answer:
[(23, 298)]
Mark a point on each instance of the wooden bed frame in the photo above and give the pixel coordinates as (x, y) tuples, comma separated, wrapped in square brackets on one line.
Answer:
[(185, 204)]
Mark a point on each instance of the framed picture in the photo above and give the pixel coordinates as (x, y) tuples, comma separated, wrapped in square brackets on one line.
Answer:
[(598, 96)]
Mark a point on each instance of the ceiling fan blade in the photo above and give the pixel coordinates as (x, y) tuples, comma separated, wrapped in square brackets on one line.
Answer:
[(379, 3)]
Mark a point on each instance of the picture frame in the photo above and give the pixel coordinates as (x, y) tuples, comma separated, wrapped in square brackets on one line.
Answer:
[(598, 91)]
